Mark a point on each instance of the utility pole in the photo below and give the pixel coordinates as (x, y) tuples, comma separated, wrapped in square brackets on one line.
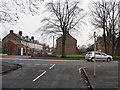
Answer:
[(94, 54), (119, 15), (53, 43)]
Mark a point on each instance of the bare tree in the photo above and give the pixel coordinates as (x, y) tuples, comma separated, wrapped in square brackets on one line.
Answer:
[(10, 9), (65, 18), (105, 16)]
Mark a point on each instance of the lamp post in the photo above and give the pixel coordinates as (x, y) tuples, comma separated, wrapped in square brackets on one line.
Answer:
[(94, 54)]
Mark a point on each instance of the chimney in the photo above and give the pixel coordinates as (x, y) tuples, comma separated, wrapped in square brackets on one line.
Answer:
[(11, 31), (27, 37), (20, 33), (32, 37)]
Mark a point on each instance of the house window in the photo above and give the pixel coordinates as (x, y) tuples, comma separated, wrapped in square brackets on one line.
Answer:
[(4, 51)]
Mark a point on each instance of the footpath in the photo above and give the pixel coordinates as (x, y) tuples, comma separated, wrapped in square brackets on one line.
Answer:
[(7, 67), (106, 76)]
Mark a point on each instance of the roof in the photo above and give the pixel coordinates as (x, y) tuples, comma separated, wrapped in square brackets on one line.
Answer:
[(27, 39), (69, 35), (16, 42), (23, 38)]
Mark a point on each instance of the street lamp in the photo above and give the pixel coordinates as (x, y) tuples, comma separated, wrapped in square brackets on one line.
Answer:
[(94, 54)]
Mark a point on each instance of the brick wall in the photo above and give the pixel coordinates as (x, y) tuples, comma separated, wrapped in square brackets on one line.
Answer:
[(70, 45)]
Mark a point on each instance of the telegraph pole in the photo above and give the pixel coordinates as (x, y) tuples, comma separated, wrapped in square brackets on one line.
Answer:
[(94, 54), (119, 17), (53, 43)]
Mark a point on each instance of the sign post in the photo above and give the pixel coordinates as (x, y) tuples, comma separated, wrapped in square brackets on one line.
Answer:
[(94, 54)]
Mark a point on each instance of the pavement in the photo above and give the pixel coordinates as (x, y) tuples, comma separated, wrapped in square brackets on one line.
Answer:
[(7, 67), (106, 76)]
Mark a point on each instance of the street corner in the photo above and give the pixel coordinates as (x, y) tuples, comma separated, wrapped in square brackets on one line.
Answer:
[(104, 77), (85, 75), (7, 67)]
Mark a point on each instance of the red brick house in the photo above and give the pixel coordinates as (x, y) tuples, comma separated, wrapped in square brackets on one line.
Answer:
[(16, 44), (70, 45), (100, 47)]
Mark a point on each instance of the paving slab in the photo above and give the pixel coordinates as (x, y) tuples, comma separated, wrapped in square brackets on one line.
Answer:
[(106, 75)]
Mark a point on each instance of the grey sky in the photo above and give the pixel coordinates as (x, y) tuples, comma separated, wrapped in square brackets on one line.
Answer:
[(29, 24)]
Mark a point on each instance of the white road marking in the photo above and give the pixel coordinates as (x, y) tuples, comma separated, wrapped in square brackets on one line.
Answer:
[(37, 64), (43, 59), (52, 66), (39, 76), (21, 63), (44, 64)]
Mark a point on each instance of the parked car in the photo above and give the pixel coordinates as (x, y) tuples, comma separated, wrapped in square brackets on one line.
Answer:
[(99, 56)]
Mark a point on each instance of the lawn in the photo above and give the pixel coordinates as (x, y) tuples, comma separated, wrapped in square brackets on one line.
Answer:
[(118, 57), (59, 56), (72, 56)]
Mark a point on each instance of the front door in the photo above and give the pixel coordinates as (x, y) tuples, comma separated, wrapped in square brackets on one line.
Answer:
[(18, 51)]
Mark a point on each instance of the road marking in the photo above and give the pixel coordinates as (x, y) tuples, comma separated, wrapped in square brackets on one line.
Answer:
[(21, 63), (52, 66), (42, 59), (39, 76), (37, 64), (44, 64)]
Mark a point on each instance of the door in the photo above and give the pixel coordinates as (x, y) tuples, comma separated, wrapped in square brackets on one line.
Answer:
[(104, 56), (18, 51), (98, 56)]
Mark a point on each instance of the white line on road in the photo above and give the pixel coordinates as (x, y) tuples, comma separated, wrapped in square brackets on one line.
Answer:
[(37, 64), (39, 76), (52, 66)]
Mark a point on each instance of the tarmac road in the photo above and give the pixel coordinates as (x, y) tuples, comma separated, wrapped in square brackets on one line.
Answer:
[(44, 74), (39, 73)]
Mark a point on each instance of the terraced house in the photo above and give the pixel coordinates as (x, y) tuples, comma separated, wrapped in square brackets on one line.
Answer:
[(16, 44)]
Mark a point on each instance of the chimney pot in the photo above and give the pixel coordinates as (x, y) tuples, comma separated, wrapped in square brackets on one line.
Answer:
[(11, 31), (20, 33), (32, 37), (26, 36)]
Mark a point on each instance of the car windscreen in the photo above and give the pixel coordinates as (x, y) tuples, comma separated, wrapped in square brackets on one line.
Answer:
[(104, 54), (89, 53)]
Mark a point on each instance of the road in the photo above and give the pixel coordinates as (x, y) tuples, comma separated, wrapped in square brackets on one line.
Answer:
[(48, 74), (44, 74)]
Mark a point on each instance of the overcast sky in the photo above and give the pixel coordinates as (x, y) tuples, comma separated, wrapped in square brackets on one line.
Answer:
[(29, 24)]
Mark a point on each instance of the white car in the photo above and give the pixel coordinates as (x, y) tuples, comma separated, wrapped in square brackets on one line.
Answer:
[(99, 56)]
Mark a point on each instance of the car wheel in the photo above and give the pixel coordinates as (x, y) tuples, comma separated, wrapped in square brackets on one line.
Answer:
[(109, 59), (92, 59), (88, 60)]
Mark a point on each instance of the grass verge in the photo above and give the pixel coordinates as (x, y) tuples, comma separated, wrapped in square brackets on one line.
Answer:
[(71, 56), (59, 56)]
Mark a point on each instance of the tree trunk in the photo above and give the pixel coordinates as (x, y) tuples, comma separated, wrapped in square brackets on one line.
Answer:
[(105, 44), (113, 44), (63, 45), (117, 45)]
